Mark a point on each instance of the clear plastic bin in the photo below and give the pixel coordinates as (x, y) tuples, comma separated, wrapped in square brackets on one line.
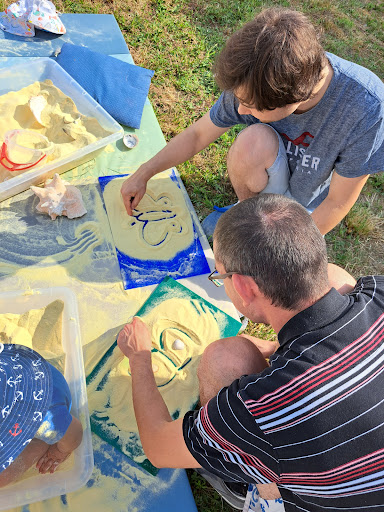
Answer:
[(15, 78), (40, 487)]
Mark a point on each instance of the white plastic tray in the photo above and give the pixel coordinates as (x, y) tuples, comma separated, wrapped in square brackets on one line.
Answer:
[(40, 487), (15, 78)]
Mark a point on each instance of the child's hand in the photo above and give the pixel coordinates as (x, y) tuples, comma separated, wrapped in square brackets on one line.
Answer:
[(50, 461), (134, 338)]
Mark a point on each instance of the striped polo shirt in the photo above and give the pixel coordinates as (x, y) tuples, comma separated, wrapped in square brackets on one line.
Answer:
[(313, 422)]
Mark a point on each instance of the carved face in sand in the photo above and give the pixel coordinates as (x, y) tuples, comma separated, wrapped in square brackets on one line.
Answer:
[(110, 394), (174, 344)]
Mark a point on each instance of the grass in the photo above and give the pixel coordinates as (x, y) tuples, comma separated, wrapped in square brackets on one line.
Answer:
[(179, 40), (206, 498)]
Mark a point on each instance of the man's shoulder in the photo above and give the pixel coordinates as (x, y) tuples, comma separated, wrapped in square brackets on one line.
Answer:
[(309, 342), (371, 286)]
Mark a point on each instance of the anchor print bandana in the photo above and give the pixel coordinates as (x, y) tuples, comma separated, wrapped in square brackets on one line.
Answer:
[(25, 395)]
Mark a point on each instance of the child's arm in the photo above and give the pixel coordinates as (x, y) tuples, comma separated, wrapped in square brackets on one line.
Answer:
[(35, 450), (342, 195), (179, 149), (60, 451)]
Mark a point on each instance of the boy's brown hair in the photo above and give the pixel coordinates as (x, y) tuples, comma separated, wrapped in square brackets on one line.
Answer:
[(276, 59)]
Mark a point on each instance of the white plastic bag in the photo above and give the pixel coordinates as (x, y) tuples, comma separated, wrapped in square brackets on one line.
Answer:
[(254, 503), (16, 25)]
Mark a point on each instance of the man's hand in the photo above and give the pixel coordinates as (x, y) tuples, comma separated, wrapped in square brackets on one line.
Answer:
[(132, 191), (134, 338), (161, 437)]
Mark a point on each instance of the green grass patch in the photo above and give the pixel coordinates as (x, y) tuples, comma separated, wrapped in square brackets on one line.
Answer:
[(360, 221), (206, 498)]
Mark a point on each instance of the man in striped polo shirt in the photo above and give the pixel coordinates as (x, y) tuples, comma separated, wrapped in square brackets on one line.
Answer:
[(311, 421)]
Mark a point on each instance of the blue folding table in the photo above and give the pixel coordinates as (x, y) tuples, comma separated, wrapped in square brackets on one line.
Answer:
[(115, 476)]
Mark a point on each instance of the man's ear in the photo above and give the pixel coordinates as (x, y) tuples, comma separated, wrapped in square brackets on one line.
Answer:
[(246, 288)]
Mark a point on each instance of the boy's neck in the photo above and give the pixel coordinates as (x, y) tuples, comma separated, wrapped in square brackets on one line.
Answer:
[(318, 91)]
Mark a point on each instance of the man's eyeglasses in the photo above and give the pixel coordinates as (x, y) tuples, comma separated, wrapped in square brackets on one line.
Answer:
[(217, 278)]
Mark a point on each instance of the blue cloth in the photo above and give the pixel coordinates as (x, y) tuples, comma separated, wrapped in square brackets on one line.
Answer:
[(58, 418), (120, 88), (343, 132)]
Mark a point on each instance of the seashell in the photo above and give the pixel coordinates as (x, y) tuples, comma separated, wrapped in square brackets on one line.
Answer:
[(58, 197), (178, 345), (155, 368), (37, 104), (130, 140)]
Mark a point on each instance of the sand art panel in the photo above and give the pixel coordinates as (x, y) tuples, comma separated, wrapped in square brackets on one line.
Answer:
[(160, 239), (182, 324)]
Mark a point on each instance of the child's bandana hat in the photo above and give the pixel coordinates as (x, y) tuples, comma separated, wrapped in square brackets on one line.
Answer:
[(25, 395), (22, 17)]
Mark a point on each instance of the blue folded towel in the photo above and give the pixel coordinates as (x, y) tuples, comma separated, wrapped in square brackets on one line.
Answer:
[(119, 87)]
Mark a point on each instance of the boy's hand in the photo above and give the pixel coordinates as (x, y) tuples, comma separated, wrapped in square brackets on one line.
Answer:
[(134, 338), (50, 461), (132, 191)]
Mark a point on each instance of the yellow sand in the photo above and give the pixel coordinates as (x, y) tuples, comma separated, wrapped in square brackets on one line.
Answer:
[(59, 114), (39, 329), (161, 226)]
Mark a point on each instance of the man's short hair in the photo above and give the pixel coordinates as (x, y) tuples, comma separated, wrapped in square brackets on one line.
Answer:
[(274, 240), (276, 59)]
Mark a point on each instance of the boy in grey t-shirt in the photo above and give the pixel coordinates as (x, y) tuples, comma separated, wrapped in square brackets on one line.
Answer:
[(314, 122), (343, 132)]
